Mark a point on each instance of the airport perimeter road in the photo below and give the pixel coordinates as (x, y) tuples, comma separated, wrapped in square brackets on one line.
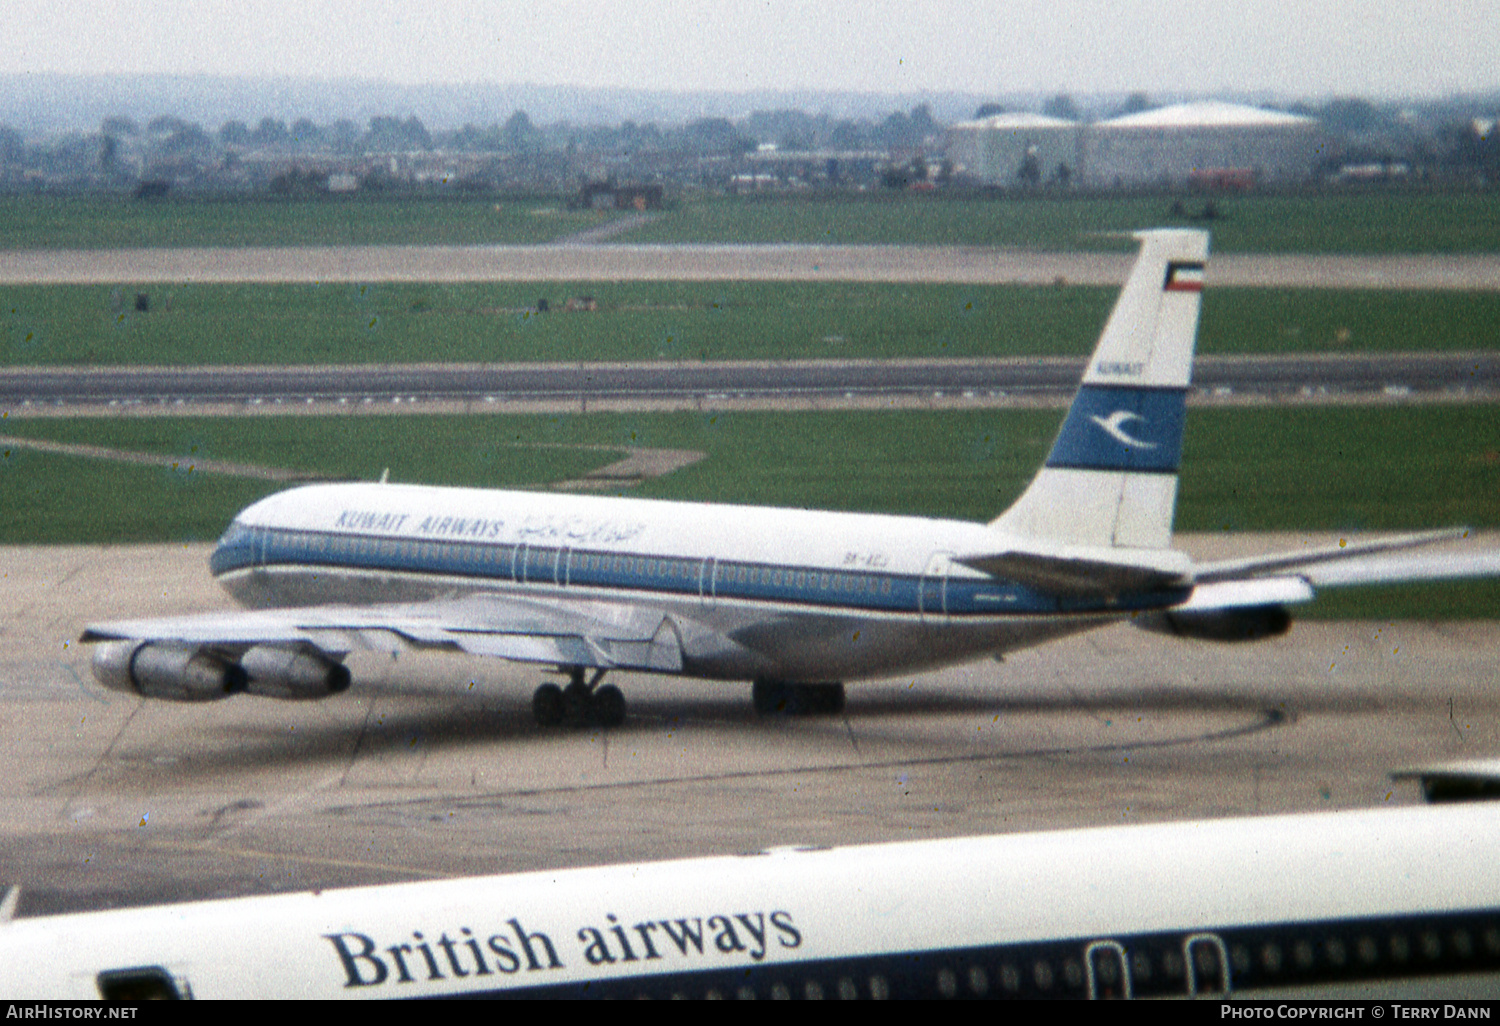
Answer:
[(1458, 375), (974, 265), (108, 800)]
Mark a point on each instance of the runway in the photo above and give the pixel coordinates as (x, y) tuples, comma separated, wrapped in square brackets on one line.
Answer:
[(111, 801), (992, 382), (612, 262)]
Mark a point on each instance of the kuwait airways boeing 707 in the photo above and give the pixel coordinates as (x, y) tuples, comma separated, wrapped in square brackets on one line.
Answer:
[(795, 601)]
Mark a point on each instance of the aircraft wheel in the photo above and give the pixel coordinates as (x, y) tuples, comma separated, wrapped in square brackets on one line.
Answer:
[(771, 697), (775, 698), (822, 699), (548, 706), (609, 706), (578, 701)]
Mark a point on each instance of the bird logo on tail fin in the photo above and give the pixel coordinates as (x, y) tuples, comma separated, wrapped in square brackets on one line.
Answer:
[(1113, 426)]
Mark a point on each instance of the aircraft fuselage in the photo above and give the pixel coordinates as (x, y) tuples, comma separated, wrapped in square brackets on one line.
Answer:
[(752, 592)]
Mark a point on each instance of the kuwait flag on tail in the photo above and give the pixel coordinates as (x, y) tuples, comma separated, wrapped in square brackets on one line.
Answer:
[(1183, 276)]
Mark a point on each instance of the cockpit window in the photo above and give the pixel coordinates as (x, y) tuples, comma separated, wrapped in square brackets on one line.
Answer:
[(235, 534), (142, 983)]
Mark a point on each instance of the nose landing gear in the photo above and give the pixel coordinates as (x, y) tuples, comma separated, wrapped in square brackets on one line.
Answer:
[(579, 703)]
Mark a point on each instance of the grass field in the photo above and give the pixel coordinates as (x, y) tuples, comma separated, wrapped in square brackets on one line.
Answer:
[(110, 222), (1244, 469), (398, 323), (1326, 223), (1355, 222)]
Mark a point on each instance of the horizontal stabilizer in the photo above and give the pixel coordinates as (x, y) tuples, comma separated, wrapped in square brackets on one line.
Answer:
[(1078, 571), (1311, 560)]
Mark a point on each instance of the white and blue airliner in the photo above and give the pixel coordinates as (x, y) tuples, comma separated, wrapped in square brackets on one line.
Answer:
[(794, 601)]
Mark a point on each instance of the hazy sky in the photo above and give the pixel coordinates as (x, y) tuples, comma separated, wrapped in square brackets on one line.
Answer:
[(1292, 47)]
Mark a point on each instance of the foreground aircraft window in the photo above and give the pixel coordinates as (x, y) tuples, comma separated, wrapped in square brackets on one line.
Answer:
[(1463, 943), (1302, 954), (144, 983), (1010, 978), (1140, 966)]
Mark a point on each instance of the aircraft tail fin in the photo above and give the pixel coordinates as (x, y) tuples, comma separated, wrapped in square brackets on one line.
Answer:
[(1110, 481)]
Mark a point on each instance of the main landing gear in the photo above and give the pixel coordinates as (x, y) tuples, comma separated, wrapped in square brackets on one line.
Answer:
[(579, 702), (774, 697)]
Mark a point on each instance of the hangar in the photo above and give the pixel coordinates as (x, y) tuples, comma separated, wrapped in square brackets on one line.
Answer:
[(1017, 148), (1205, 141)]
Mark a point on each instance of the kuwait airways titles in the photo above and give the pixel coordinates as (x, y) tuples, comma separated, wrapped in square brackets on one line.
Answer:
[(575, 530)]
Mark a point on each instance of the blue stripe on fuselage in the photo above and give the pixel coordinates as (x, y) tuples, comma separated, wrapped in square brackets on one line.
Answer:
[(648, 576)]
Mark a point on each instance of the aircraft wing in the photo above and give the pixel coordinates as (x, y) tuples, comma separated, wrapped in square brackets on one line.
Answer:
[(602, 635), (1356, 562), (1253, 582), (1285, 578), (1389, 559)]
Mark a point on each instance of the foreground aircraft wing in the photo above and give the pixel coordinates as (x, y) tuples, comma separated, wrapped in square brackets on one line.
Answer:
[(583, 634)]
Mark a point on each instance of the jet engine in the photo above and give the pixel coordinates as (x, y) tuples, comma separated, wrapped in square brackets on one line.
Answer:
[(1245, 623), (176, 672), (292, 673)]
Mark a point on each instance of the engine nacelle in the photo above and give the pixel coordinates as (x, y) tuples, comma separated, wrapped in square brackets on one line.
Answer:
[(1246, 623), (292, 674), (175, 672)]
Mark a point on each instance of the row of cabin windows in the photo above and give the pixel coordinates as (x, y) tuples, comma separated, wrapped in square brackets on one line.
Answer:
[(1365, 954), (545, 564)]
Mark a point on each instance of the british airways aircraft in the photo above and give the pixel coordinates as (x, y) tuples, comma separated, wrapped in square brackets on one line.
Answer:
[(1374, 903), (796, 602)]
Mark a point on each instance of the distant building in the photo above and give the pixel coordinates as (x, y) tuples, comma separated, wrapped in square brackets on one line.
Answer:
[(608, 196), (1016, 149), (1203, 143)]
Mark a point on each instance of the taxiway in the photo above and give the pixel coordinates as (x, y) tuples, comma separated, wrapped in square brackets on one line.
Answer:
[(106, 800)]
